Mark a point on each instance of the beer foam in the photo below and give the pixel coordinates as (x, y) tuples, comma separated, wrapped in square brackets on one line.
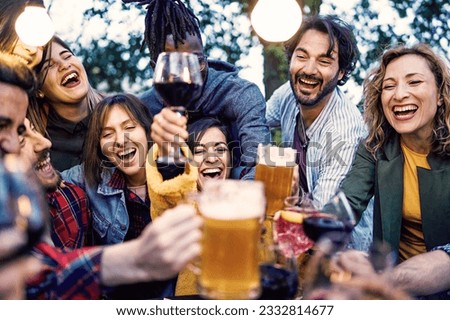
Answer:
[(276, 156), (232, 199)]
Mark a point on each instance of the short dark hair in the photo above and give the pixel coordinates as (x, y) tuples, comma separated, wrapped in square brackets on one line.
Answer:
[(198, 128), (336, 29), (17, 73)]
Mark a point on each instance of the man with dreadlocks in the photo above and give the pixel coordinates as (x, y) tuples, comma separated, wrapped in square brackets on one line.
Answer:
[(238, 103)]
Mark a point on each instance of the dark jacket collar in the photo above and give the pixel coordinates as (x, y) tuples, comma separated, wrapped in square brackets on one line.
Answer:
[(392, 149)]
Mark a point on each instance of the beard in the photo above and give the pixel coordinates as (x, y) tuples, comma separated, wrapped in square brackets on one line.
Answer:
[(49, 185), (311, 101)]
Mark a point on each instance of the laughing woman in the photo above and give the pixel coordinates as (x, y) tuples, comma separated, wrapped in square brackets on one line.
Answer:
[(113, 172), (65, 102), (405, 161), (210, 159), (113, 176)]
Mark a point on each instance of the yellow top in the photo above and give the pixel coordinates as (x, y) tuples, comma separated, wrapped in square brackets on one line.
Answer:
[(167, 194), (411, 239)]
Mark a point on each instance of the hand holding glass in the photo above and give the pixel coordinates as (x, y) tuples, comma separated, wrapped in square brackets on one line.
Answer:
[(178, 81), (232, 212)]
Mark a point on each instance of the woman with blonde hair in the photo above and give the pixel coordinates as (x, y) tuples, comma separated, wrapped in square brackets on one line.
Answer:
[(405, 160)]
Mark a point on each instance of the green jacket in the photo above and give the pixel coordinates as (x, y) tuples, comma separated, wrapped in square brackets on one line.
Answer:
[(383, 178)]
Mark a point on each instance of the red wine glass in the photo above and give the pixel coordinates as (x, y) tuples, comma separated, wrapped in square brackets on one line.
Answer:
[(177, 79)]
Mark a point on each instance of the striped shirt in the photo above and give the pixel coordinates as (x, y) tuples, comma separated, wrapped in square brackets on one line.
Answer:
[(333, 138)]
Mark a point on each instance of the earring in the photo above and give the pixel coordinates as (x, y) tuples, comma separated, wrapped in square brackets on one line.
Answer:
[(40, 94)]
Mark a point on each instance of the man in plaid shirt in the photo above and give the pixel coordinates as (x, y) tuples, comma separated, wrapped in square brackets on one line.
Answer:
[(93, 272), (160, 252)]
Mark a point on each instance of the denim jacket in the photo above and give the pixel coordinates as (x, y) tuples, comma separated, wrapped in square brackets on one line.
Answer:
[(236, 102), (109, 211)]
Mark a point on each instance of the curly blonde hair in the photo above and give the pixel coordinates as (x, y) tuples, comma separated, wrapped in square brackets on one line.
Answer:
[(379, 128)]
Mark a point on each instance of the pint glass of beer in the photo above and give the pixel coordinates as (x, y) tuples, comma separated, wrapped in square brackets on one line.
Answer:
[(275, 168), (233, 211)]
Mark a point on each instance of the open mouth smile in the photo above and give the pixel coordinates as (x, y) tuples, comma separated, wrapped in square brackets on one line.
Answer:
[(71, 79), (127, 154), (404, 111), (212, 173)]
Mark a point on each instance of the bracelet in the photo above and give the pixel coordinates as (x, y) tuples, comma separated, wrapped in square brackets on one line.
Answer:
[(445, 248)]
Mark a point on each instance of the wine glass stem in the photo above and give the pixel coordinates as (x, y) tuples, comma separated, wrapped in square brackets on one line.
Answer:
[(175, 156)]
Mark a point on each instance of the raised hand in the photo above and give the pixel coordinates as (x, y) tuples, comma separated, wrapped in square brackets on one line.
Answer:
[(168, 129), (164, 248)]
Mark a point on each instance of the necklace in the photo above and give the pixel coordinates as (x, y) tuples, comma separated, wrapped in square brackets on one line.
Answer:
[(301, 130), (140, 191)]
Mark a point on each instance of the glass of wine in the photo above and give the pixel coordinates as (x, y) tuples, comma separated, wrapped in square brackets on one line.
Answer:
[(335, 221), (177, 79)]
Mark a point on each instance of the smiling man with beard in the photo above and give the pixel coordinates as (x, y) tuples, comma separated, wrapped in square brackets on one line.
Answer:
[(68, 204), (315, 116)]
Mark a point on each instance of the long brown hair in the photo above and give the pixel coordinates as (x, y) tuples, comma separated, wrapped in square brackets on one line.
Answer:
[(379, 128), (94, 159), (38, 111)]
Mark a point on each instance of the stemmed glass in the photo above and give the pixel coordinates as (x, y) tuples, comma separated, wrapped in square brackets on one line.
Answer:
[(301, 222), (177, 79), (330, 229), (335, 221)]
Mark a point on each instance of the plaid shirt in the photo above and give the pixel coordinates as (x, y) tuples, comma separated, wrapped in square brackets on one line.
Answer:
[(70, 217), (66, 275), (138, 210), (139, 217)]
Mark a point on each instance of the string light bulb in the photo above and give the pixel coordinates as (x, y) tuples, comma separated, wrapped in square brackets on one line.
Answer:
[(276, 20), (34, 26)]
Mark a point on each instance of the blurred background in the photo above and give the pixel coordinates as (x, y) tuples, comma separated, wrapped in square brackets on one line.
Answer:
[(108, 35)]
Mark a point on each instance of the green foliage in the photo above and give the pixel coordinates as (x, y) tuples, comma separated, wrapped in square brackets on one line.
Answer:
[(429, 24), (275, 67), (109, 63), (276, 136), (115, 65)]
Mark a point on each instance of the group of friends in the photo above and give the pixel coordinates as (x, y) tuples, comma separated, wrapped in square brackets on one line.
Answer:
[(118, 229)]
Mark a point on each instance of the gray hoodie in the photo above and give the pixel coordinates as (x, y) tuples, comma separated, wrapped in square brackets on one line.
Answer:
[(237, 103)]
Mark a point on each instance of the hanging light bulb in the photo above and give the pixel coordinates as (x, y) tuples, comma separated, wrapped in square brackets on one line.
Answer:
[(34, 26), (276, 20)]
